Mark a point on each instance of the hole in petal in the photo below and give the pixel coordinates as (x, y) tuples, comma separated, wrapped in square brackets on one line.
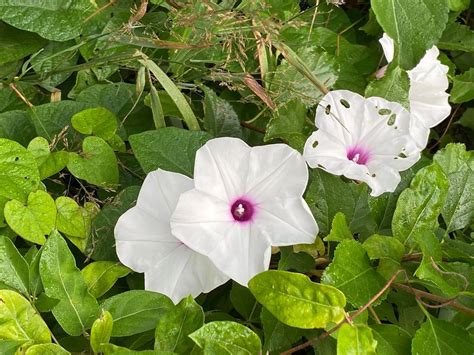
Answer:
[(345, 103), (315, 144), (328, 109), (385, 111), (402, 155), (392, 119), (242, 210)]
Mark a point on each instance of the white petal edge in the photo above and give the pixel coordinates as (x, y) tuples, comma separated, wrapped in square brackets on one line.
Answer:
[(287, 221), (191, 274), (275, 170), (221, 167)]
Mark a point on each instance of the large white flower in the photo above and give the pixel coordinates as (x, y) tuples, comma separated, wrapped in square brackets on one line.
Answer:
[(429, 104), (145, 243), (363, 139), (245, 200)]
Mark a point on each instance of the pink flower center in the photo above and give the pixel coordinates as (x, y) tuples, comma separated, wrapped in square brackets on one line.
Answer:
[(242, 210), (358, 155)]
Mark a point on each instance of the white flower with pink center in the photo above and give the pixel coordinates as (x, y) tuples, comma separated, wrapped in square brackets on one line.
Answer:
[(363, 139), (144, 241), (245, 200), (429, 102)]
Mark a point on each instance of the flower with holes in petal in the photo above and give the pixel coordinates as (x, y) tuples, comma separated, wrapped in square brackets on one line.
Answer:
[(145, 243), (429, 104), (363, 139), (245, 200)]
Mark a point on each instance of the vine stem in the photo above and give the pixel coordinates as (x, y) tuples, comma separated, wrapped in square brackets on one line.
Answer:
[(347, 319), (442, 300)]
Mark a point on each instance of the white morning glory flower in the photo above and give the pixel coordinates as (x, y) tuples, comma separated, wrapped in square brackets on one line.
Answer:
[(429, 104), (363, 139), (145, 244), (245, 200)]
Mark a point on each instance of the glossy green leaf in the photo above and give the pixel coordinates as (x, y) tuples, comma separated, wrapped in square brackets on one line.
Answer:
[(35, 220), (393, 86), (355, 339), (289, 123), (388, 250), (97, 164), (97, 121), (463, 87), (173, 328), (72, 219), (220, 118), (46, 349), (297, 301), (18, 171), (10, 347), (51, 119), (14, 270), (63, 281), (16, 125), (429, 270), (17, 44), (351, 272), (277, 335), (391, 339), (100, 276), (415, 26), (457, 37), (292, 79), (339, 229), (438, 337), (136, 311), (101, 244), (19, 321), (101, 331), (49, 163), (324, 199), (298, 261), (57, 20), (226, 338), (459, 5), (169, 149), (383, 206), (52, 62), (458, 165), (419, 206)]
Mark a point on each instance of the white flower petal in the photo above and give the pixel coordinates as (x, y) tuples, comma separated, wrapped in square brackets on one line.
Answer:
[(273, 166), (323, 150), (221, 167), (388, 47), (141, 239), (335, 115), (183, 272), (362, 137), (245, 253), (144, 241), (287, 221), (201, 221), (429, 102), (160, 192)]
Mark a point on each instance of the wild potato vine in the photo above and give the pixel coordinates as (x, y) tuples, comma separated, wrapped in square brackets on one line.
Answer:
[(97, 94)]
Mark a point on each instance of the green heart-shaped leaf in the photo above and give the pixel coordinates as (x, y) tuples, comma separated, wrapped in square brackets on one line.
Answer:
[(35, 220), (97, 121), (18, 171), (48, 163), (73, 220), (97, 165)]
